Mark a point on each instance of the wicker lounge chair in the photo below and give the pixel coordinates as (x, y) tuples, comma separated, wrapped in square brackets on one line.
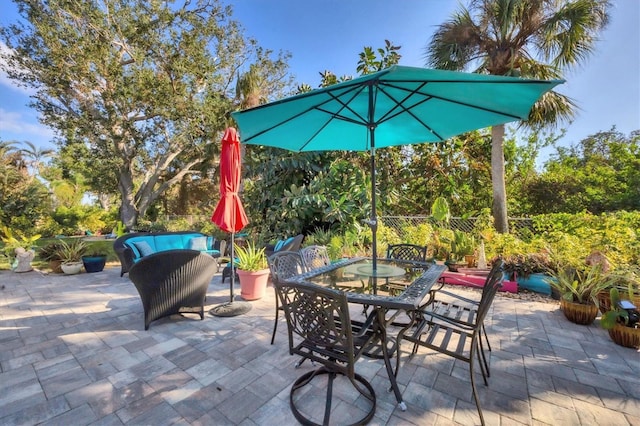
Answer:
[(173, 282)]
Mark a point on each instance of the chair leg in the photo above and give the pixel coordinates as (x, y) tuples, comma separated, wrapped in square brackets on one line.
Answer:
[(473, 382), (486, 338), (365, 390), (275, 321)]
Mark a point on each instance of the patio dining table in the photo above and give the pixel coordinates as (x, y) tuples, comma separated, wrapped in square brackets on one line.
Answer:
[(395, 286)]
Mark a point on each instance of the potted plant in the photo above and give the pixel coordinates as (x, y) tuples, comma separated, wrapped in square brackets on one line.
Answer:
[(94, 261), (51, 253), (70, 254), (253, 271), (578, 291), (622, 320), (532, 271), (463, 246), (627, 281)]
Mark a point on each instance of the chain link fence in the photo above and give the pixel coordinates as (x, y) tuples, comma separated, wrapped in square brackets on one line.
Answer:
[(517, 226)]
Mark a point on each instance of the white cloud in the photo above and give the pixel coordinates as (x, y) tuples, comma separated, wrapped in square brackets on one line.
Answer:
[(15, 126)]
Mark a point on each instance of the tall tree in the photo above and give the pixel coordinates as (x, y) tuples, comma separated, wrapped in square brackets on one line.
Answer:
[(528, 38), (146, 86)]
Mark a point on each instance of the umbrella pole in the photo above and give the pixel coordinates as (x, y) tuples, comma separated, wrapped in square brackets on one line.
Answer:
[(232, 308), (233, 267)]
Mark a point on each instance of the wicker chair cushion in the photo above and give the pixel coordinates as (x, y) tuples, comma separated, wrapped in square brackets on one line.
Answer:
[(198, 243), (144, 248)]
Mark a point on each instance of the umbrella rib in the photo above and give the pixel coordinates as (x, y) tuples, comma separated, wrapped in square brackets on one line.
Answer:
[(399, 105), (301, 113), (336, 114), (466, 104)]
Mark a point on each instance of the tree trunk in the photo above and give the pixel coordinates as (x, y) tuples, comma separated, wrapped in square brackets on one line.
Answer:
[(497, 178), (128, 211)]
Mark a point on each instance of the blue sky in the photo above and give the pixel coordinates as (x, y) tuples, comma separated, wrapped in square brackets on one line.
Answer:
[(329, 35)]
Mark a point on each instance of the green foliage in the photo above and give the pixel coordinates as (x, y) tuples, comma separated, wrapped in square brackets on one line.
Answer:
[(578, 285), (440, 210), (463, 244), (52, 251), (165, 67), (23, 199), (71, 251), (615, 315), (319, 237), (77, 219), (250, 258), (11, 240), (599, 174)]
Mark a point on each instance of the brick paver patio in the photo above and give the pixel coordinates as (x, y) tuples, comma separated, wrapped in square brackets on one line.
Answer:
[(73, 351)]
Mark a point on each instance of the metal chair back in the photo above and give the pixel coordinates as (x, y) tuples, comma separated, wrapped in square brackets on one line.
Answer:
[(315, 256), (407, 252)]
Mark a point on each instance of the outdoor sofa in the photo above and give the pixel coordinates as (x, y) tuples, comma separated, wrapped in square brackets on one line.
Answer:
[(132, 247)]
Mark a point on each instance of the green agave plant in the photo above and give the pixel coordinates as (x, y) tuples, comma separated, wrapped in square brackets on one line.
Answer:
[(250, 258), (575, 285)]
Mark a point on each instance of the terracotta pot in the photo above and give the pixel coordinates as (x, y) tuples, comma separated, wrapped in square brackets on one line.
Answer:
[(579, 313), (470, 259), (625, 336), (253, 285), (55, 266)]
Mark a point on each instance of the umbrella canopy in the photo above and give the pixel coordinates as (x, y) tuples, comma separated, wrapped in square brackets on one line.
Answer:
[(229, 214), (396, 106)]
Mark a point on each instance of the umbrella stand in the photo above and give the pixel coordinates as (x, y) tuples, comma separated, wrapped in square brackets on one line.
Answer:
[(232, 308)]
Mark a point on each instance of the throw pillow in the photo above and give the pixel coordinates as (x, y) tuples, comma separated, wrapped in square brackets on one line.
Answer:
[(278, 245), (144, 248), (198, 243)]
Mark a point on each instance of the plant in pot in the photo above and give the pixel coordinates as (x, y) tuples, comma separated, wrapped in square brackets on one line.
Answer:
[(532, 271), (463, 247), (578, 291), (627, 280), (253, 271), (622, 320), (94, 261), (51, 253), (71, 255)]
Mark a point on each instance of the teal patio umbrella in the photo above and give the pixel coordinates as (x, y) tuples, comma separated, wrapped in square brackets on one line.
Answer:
[(396, 106)]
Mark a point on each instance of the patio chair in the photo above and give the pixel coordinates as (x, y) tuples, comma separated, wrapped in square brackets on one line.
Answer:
[(410, 252), (407, 252), (284, 265), (455, 305), (457, 332), (289, 244), (315, 256), (319, 318), (173, 282)]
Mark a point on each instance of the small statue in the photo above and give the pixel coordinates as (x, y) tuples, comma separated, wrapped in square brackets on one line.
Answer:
[(24, 258), (482, 257)]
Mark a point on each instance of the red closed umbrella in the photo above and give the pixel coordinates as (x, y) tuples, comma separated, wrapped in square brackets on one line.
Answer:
[(229, 214)]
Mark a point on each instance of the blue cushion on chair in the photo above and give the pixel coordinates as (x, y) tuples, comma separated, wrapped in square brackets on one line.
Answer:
[(278, 245), (287, 241), (144, 248)]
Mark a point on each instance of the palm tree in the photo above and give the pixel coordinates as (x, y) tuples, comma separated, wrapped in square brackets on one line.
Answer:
[(36, 155), (528, 38)]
